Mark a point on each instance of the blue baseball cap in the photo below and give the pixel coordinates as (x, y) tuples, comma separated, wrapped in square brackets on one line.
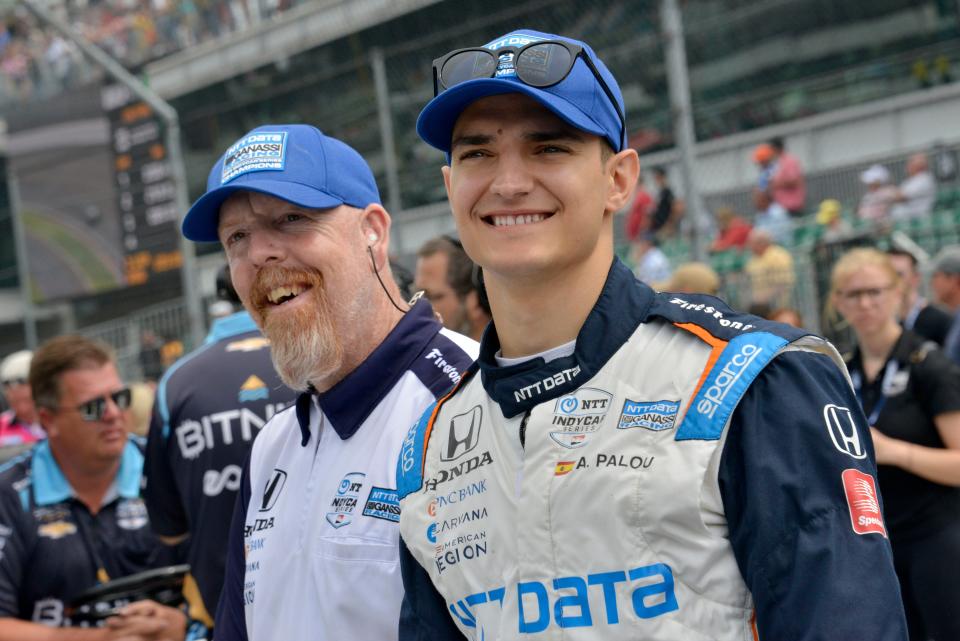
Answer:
[(578, 99), (296, 163)]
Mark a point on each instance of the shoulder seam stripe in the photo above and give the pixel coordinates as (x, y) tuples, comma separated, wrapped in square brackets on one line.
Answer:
[(718, 346)]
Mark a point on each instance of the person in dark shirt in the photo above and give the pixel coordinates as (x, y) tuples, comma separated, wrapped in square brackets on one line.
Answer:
[(910, 393), (668, 208), (71, 516), (916, 312), (193, 472)]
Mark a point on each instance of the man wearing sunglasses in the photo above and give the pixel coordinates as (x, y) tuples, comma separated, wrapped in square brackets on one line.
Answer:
[(312, 551), (71, 516), (619, 464)]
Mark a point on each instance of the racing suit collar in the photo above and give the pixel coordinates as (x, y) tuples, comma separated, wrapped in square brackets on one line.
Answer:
[(623, 304), (347, 404)]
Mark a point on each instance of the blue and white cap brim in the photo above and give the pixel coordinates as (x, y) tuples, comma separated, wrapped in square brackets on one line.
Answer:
[(202, 221)]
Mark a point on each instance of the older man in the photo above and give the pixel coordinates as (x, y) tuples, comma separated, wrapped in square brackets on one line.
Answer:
[(313, 546), (71, 515)]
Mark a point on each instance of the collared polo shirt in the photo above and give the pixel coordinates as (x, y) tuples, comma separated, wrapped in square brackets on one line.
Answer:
[(52, 548), (314, 545)]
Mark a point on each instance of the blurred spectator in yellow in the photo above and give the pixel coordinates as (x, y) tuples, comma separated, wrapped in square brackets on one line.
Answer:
[(945, 284), (692, 278), (830, 217), (921, 73), (141, 405), (638, 219), (770, 269), (916, 195), (787, 315), (788, 187), (942, 66), (875, 203), (18, 425), (669, 209), (650, 264), (732, 231), (915, 312)]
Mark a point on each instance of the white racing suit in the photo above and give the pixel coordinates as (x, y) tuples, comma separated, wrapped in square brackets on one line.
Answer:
[(689, 473)]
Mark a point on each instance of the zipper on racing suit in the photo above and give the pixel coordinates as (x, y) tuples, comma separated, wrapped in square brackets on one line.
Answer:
[(523, 429)]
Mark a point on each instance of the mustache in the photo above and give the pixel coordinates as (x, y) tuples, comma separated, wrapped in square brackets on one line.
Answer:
[(269, 278)]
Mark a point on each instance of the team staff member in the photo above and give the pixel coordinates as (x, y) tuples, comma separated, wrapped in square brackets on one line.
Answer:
[(910, 392), (210, 405), (619, 464), (449, 280), (315, 528), (71, 515)]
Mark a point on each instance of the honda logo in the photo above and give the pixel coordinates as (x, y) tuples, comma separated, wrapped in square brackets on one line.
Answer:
[(272, 490), (464, 434), (843, 431)]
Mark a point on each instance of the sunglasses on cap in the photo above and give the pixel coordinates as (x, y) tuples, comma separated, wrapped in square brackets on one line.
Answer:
[(95, 408), (537, 64), (13, 382)]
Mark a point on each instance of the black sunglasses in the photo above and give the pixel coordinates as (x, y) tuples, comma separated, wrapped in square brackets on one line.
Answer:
[(13, 382), (95, 408), (538, 64)]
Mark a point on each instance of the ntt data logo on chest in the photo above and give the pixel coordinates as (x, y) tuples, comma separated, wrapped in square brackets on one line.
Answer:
[(654, 415), (264, 151)]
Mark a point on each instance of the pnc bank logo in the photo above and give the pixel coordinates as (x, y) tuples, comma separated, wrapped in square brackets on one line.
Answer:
[(464, 434)]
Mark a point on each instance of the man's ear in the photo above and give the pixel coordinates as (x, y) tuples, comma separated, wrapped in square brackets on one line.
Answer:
[(375, 227), (47, 419), (622, 169)]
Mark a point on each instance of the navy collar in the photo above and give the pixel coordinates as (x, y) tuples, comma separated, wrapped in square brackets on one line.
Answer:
[(623, 305), (347, 404)]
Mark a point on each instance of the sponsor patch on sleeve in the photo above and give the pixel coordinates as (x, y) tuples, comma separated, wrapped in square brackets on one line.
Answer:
[(864, 502)]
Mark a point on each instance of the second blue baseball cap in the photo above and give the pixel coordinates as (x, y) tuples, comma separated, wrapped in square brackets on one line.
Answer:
[(578, 99), (296, 163)]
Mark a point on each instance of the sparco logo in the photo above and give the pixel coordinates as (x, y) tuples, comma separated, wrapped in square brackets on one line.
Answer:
[(457, 471), (464, 434), (725, 380), (271, 492), (547, 384), (843, 431)]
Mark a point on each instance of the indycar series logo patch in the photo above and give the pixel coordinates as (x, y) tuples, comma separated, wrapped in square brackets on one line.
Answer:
[(345, 500), (864, 502), (579, 414)]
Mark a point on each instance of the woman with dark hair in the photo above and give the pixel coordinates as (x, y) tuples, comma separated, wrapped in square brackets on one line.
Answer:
[(910, 393)]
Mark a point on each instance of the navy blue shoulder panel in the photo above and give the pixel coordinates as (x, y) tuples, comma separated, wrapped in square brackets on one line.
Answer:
[(716, 317), (440, 364)]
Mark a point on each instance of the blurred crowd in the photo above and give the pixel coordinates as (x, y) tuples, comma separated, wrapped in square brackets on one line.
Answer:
[(36, 62)]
